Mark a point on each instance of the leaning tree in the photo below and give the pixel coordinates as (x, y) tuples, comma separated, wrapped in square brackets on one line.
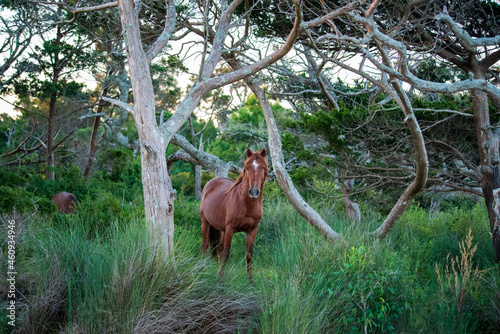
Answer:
[(144, 42), (391, 39), (463, 34)]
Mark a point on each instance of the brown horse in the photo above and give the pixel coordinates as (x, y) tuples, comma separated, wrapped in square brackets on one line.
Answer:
[(229, 206), (66, 202)]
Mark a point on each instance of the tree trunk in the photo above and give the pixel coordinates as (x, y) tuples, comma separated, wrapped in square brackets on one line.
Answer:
[(212, 162), (198, 174), (282, 176), (197, 167), (351, 208), (50, 137), (157, 188), (158, 192), (51, 130), (422, 164), (489, 154), (93, 138)]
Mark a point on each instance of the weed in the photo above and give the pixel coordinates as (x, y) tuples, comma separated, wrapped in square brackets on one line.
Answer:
[(460, 278)]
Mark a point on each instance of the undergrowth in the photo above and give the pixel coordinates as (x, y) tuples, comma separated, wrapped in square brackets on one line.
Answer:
[(95, 272)]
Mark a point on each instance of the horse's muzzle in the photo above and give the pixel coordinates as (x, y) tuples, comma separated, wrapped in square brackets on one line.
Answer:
[(254, 192)]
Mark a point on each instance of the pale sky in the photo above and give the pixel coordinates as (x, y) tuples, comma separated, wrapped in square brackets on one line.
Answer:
[(7, 108)]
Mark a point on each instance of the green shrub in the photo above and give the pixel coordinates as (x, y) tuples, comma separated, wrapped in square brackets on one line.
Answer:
[(370, 291), (183, 182), (187, 213), (17, 198), (67, 179), (101, 214), (11, 178)]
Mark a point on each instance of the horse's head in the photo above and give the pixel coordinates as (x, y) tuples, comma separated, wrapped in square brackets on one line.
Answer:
[(255, 171)]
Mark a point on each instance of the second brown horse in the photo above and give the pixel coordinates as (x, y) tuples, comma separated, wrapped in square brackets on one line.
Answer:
[(66, 202), (229, 206)]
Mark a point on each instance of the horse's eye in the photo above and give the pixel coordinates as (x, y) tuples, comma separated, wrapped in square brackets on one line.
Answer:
[(262, 168), (247, 168)]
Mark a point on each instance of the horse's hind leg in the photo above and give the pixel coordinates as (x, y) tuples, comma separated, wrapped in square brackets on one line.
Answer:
[(205, 234), (250, 240), (215, 241), (228, 238), (220, 248)]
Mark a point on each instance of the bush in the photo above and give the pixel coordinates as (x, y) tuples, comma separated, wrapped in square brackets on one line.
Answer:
[(11, 178), (370, 291), (19, 199)]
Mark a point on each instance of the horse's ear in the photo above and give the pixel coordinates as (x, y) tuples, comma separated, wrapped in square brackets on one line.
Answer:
[(263, 152), (249, 152)]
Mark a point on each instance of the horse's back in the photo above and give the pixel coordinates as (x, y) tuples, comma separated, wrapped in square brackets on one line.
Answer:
[(213, 201), (65, 202), (217, 185)]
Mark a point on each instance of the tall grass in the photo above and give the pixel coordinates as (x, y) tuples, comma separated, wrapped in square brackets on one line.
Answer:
[(115, 282), (98, 274)]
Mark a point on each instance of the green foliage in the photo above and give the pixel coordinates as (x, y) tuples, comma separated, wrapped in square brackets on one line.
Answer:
[(6, 124), (244, 128), (294, 144), (67, 179), (459, 281), (267, 20), (14, 194), (374, 143), (249, 113), (187, 214), (370, 291), (227, 151), (116, 283), (183, 182), (100, 215), (325, 124), (52, 58), (429, 69), (11, 198), (11, 178), (120, 174)]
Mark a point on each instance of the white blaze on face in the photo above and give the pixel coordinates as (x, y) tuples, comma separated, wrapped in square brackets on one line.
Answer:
[(255, 164), (254, 190)]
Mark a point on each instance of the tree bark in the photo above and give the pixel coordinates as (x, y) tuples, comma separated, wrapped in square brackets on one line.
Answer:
[(198, 174), (422, 164), (284, 180), (212, 162), (351, 208), (93, 146), (50, 137), (51, 126), (158, 192), (489, 154), (157, 188), (496, 226)]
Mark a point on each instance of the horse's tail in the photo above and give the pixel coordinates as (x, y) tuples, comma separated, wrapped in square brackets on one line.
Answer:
[(214, 238)]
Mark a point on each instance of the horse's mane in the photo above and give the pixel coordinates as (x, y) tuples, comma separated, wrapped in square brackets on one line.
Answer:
[(242, 174)]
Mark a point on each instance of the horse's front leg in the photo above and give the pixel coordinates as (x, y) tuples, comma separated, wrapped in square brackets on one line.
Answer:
[(228, 238), (250, 240)]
